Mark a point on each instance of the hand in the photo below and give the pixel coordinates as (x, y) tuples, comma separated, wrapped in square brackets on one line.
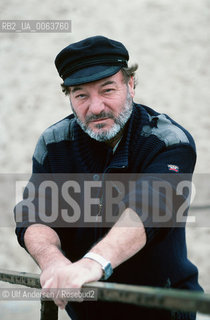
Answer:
[(49, 271), (69, 276)]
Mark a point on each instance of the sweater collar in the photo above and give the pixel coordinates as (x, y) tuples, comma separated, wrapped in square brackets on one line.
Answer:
[(139, 117)]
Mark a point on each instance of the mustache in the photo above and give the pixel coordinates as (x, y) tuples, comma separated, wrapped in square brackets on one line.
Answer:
[(99, 116)]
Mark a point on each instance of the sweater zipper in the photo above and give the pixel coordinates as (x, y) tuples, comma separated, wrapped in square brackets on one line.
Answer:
[(100, 206)]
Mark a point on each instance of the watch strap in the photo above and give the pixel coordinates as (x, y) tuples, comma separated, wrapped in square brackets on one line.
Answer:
[(105, 264)]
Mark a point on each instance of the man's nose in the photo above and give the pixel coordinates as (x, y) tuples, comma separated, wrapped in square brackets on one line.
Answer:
[(96, 105)]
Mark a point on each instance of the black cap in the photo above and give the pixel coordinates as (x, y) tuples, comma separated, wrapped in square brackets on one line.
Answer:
[(91, 59)]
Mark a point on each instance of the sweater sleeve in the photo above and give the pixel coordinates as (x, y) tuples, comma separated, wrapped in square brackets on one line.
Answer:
[(28, 210), (157, 198), (24, 210)]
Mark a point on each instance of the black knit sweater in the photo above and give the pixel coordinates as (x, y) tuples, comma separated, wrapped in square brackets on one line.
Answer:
[(152, 144)]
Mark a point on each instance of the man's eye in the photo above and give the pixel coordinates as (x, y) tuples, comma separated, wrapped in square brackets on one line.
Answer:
[(80, 96), (109, 90)]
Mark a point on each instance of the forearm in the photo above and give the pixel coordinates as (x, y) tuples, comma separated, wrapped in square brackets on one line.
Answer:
[(124, 240), (44, 246)]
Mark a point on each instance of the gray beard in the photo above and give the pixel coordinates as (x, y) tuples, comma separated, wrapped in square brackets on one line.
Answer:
[(119, 122)]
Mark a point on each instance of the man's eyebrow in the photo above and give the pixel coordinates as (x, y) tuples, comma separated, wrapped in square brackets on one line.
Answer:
[(108, 82), (74, 89)]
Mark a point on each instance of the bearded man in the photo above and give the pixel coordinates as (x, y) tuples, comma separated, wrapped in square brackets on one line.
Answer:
[(110, 134)]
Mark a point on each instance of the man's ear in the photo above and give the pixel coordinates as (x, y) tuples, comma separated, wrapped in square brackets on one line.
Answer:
[(131, 86)]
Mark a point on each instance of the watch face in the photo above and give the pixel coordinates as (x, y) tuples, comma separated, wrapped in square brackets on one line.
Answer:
[(107, 271)]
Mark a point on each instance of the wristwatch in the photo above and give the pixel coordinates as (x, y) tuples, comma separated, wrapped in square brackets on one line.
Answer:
[(106, 265)]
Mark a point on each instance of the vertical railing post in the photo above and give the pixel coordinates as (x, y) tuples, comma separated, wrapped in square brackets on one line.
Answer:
[(49, 310)]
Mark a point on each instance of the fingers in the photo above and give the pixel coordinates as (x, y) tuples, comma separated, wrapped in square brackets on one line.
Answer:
[(64, 284), (49, 291), (60, 303), (47, 283)]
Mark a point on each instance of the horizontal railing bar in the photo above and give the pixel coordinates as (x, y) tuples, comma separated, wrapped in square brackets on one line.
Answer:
[(173, 299), (200, 207), (22, 278)]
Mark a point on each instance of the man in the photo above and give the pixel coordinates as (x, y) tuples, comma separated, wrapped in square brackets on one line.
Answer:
[(109, 134)]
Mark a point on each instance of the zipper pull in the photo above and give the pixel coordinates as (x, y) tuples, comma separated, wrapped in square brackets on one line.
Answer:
[(100, 208)]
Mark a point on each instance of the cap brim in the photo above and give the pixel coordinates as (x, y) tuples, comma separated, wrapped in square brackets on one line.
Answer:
[(91, 74)]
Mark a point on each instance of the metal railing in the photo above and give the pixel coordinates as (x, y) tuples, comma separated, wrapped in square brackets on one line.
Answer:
[(172, 299)]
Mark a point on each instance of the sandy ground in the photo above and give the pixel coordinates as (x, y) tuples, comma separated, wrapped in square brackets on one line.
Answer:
[(170, 42)]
